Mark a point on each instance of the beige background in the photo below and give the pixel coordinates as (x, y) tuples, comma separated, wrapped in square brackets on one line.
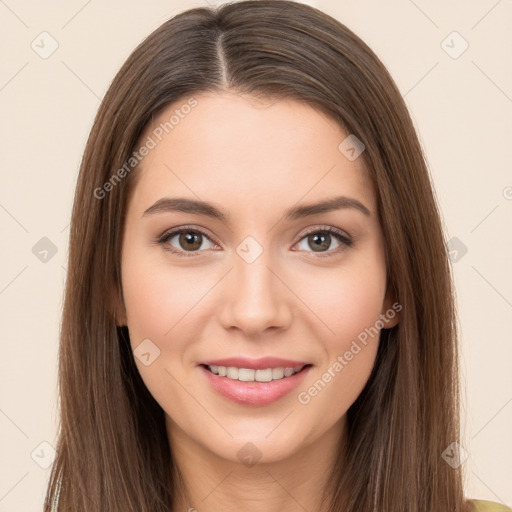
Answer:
[(462, 108)]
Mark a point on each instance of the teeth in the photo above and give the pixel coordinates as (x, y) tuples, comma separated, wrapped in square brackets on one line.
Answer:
[(248, 375)]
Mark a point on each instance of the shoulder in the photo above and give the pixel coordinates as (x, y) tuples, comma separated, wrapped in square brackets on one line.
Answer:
[(487, 506)]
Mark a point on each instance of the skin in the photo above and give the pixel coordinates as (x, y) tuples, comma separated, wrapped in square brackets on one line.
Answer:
[(291, 302)]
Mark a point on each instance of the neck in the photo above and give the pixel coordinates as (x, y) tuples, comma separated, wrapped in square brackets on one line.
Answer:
[(216, 484)]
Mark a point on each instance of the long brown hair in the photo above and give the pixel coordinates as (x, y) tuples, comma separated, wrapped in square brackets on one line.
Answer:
[(112, 450)]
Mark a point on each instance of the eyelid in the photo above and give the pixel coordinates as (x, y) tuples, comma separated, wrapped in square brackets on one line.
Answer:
[(326, 228), (185, 227)]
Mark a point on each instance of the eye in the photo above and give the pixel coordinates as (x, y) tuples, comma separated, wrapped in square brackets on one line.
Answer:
[(189, 241), (320, 240), (186, 240)]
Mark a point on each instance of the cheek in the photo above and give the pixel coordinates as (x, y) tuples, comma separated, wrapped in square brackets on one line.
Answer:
[(159, 305), (347, 299), (168, 305), (349, 304), (349, 357), (157, 297), (352, 310)]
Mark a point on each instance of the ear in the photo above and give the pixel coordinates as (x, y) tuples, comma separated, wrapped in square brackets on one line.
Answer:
[(390, 314), (118, 307)]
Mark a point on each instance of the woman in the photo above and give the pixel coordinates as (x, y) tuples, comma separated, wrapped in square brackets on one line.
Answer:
[(259, 310)]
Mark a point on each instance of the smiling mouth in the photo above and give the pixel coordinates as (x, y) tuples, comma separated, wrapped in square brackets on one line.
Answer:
[(250, 375)]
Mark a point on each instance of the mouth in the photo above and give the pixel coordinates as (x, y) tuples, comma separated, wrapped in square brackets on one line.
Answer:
[(255, 387), (254, 375)]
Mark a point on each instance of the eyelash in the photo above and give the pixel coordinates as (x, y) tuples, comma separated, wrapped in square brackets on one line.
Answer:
[(345, 241)]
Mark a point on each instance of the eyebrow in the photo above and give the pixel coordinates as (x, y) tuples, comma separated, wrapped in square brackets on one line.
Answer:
[(185, 205)]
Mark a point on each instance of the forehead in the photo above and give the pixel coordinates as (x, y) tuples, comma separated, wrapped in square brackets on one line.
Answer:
[(243, 153)]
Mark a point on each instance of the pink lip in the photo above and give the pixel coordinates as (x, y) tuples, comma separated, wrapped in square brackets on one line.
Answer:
[(255, 364), (254, 393)]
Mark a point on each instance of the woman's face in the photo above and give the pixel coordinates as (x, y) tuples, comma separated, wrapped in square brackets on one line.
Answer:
[(254, 281)]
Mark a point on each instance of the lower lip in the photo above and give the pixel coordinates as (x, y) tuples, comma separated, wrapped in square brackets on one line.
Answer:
[(254, 393)]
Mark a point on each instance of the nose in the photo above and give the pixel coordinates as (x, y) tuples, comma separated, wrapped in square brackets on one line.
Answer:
[(255, 297)]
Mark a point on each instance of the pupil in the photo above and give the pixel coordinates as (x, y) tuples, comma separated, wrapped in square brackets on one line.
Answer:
[(191, 239), (324, 244)]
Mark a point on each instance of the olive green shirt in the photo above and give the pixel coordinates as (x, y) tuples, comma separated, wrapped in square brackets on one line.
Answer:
[(488, 506)]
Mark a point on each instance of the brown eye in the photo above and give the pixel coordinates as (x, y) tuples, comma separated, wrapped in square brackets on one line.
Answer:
[(190, 240), (186, 241), (321, 241)]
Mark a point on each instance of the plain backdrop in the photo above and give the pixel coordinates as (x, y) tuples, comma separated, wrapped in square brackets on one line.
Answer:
[(452, 63)]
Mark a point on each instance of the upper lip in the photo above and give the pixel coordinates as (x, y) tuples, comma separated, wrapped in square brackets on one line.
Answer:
[(255, 364)]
